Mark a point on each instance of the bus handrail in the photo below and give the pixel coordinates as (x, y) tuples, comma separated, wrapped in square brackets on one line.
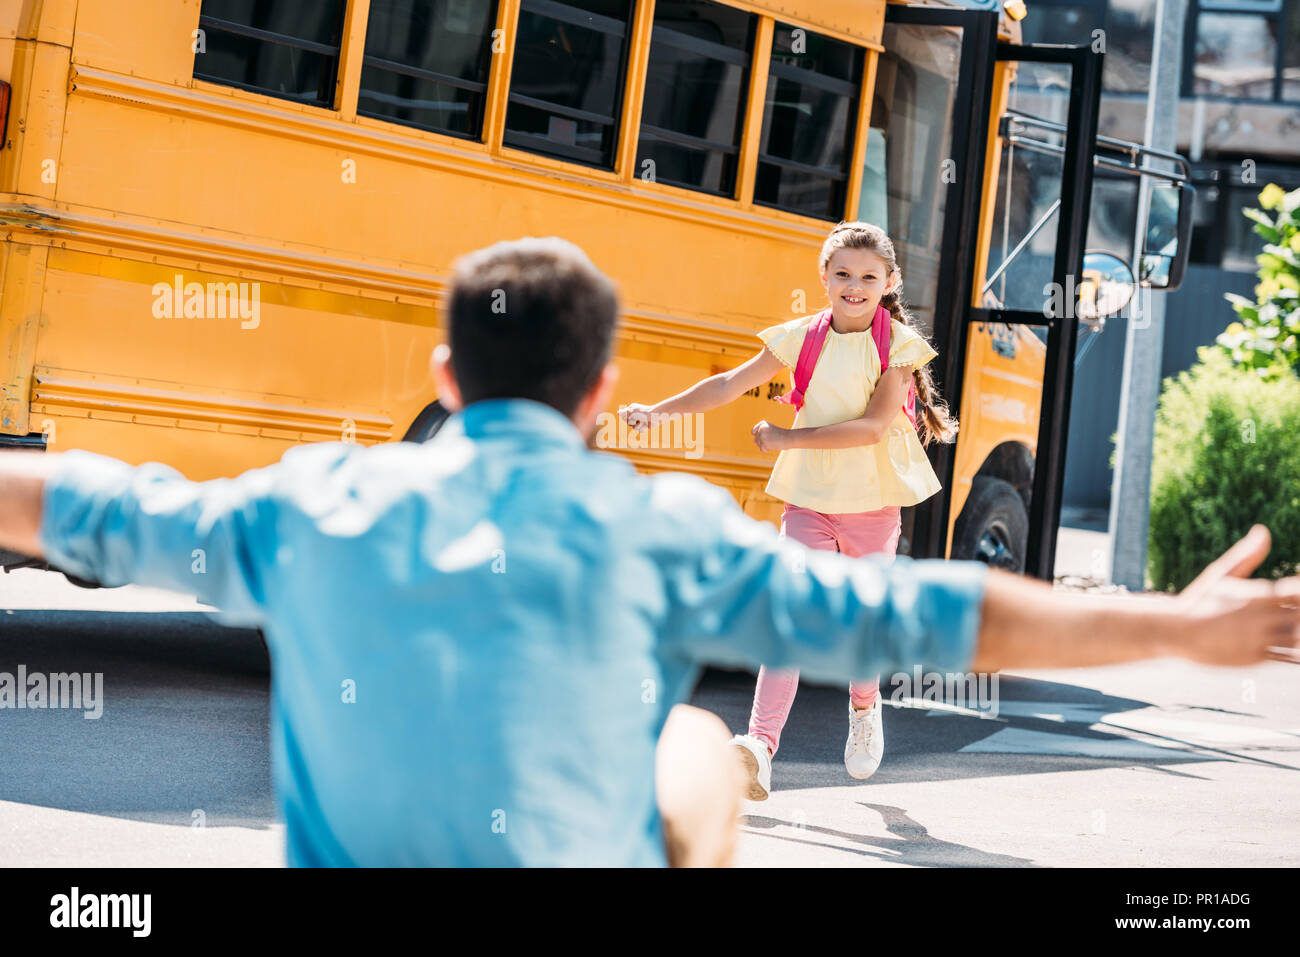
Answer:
[(1136, 151)]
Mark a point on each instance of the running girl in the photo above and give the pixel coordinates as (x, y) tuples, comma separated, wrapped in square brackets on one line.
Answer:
[(853, 459)]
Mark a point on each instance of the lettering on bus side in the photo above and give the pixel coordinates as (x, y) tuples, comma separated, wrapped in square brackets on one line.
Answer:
[(773, 389)]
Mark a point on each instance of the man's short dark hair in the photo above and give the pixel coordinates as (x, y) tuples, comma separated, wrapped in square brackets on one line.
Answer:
[(530, 319)]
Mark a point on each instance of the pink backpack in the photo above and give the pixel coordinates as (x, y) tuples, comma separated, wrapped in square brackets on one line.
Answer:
[(812, 350)]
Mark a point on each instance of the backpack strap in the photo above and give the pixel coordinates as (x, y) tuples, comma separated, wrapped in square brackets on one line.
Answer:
[(881, 332), (811, 350), (809, 353)]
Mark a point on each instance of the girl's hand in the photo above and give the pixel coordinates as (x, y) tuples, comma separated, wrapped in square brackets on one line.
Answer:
[(769, 437), (636, 415)]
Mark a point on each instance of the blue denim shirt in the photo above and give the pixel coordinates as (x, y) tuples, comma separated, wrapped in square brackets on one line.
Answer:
[(475, 642)]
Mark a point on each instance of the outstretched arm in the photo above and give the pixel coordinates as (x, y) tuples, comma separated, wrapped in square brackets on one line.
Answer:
[(1222, 618), (868, 429), (716, 390), (117, 524), (743, 597), (22, 486)]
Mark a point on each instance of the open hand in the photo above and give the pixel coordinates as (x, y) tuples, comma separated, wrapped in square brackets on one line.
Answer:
[(1232, 619)]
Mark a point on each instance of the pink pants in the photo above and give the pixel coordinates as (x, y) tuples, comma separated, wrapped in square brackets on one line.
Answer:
[(853, 534)]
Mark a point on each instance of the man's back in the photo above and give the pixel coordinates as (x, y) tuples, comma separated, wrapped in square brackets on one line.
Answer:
[(463, 641), (508, 689)]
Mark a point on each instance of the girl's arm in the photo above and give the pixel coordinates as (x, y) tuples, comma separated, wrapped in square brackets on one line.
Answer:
[(712, 392), (867, 429)]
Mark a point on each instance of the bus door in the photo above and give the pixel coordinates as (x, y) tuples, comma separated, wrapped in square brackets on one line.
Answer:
[(1020, 322), (990, 239), (925, 156)]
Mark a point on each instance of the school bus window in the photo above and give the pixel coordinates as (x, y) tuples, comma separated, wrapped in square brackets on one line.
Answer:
[(873, 205), (566, 83), (808, 123), (697, 83), (284, 48), (426, 63)]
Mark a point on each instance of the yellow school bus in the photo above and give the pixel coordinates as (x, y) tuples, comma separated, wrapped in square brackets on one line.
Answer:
[(229, 224)]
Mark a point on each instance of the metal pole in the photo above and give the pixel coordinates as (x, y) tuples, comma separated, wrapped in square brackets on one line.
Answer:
[(1130, 503)]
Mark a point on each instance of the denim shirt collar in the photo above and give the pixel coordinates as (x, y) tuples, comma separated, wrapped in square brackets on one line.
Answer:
[(515, 419)]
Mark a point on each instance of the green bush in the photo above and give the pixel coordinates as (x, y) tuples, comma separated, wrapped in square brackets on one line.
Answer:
[(1267, 336), (1227, 455)]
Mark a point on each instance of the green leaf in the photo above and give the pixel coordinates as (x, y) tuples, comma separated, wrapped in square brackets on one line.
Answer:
[(1268, 232)]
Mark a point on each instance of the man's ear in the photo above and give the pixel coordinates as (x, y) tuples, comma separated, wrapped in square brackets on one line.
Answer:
[(444, 378), (598, 395)]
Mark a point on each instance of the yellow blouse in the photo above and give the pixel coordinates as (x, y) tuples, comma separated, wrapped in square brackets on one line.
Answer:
[(894, 471)]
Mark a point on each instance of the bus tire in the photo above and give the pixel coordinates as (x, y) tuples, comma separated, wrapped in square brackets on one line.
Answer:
[(427, 423), (81, 582), (993, 526), (14, 561)]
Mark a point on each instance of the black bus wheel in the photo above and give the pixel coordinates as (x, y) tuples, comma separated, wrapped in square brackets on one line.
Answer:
[(993, 526), (427, 423)]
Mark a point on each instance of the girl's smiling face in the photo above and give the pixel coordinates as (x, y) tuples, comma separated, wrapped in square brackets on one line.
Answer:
[(855, 280)]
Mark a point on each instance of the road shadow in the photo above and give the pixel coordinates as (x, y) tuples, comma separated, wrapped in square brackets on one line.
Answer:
[(184, 725), (922, 746), (909, 841), (180, 637)]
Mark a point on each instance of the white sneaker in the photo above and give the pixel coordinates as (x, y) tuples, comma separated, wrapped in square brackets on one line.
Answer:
[(866, 744), (757, 762)]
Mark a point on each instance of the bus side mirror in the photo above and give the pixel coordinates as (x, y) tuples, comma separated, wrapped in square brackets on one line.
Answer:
[(1106, 287), (1167, 239)]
